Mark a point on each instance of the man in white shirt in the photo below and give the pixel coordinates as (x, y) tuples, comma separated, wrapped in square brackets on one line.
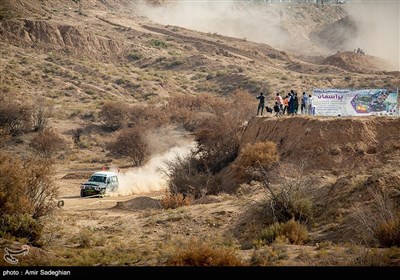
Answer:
[(279, 99)]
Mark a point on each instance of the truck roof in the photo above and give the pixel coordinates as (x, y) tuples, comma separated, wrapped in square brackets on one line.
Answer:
[(105, 173)]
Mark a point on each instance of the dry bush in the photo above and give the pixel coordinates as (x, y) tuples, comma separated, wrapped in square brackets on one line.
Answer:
[(217, 136), (21, 226), (378, 222), (291, 200), (40, 190), (13, 187), (186, 110), (244, 105), (253, 157), (40, 115), (388, 232), (47, 142), (271, 255), (27, 193), (4, 136), (175, 200), (114, 115), (295, 232), (185, 178), (14, 117), (200, 253), (376, 257), (292, 230), (76, 135), (150, 116), (270, 233), (218, 143), (130, 142), (196, 103)]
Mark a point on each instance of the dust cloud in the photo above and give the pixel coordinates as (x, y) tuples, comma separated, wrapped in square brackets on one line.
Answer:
[(378, 25), (165, 145), (259, 23)]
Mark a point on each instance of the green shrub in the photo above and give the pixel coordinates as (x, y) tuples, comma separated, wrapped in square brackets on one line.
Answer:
[(21, 226), (174, 63), (292, 205), (158, 43), (134, 56), (292, 230), (270, 233)]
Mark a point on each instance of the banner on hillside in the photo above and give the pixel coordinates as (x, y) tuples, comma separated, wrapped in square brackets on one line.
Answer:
[(351, 102)]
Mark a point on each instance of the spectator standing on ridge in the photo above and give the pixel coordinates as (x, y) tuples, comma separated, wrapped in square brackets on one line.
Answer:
[(291, 103), (285, 104), (311, 105), (261, 97), (277, 109), (295, 104), (279, 99), (304, 104)]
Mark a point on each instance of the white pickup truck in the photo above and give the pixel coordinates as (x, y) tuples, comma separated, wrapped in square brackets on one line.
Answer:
[(100, 183)]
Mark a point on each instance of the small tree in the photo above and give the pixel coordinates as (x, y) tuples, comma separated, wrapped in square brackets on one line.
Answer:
[(76, 136), (185, 178), (114, 115), (14, 117), (218, 143), (47, 142), (40, 115), (130, 142), (27, 193), (40, 188)]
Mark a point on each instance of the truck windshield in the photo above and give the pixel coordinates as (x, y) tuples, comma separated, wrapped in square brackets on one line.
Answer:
[(100, 179)]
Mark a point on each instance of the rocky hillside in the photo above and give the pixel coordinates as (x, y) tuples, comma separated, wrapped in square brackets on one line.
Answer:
[(63, 49)]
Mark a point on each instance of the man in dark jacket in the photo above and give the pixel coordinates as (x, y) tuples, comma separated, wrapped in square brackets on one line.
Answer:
[(261, 97)]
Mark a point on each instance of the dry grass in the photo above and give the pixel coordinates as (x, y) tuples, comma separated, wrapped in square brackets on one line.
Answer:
[(175, 200), (253, 157), (200, 253), (292, 230), (388, 232), (378, 223)]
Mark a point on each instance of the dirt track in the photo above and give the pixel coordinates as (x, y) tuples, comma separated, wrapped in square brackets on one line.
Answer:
[(70, 194)]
